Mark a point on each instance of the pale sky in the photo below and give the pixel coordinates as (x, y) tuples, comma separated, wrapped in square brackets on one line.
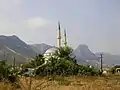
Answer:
[(92, 22)]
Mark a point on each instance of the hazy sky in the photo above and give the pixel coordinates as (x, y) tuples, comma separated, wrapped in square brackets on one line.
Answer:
[(92, 22)]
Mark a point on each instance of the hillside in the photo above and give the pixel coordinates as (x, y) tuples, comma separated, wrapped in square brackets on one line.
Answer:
[(84, 54), (12, 46)]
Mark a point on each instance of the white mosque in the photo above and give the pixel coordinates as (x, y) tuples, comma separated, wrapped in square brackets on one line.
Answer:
[(51, 52)]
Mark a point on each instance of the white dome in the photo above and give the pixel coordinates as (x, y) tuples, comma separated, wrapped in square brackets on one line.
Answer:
[(49, 53), (51, 50)]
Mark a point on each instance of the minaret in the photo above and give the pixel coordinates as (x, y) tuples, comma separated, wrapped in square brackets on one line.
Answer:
[(65, 38), (59, 35)]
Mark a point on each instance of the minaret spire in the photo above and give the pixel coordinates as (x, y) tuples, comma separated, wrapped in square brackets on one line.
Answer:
[(65, 38), (59, 35)]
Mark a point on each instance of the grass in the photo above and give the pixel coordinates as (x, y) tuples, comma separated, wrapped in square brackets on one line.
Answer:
[(109, 82)]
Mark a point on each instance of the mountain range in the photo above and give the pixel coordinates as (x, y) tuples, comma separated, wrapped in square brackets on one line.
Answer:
[(13, 47)]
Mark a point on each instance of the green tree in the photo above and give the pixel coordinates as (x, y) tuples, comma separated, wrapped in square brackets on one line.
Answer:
[(37, 61), (4, 69), (66, 53)]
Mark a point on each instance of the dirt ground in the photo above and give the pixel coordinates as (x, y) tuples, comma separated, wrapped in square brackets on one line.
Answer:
[(109, 82)]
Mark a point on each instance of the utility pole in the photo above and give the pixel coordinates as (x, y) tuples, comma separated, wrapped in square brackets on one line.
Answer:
[(101, 64)]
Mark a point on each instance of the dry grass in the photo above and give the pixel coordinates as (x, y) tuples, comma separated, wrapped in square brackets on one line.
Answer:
[(109, 82)]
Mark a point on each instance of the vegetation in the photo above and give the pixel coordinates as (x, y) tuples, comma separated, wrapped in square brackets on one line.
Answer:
[(59, 69), (112, 70), (64, 64), (110, 82), (37, 61), (4, 70)]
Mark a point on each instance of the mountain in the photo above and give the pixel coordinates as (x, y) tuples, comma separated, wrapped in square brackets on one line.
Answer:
[(12, 46), (40, 48), (9, 55), (83, 54), (110, 59)]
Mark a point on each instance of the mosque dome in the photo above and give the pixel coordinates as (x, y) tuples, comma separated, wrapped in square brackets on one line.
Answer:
[(49, 53)]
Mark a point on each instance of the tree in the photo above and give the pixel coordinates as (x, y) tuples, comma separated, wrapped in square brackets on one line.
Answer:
[(66, 53), (37, 61), (4, 70)]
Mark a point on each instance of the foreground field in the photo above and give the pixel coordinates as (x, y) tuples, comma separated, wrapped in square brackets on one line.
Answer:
[(109, 82)]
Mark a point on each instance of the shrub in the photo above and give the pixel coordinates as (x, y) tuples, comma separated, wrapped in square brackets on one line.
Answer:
[(112, 70)]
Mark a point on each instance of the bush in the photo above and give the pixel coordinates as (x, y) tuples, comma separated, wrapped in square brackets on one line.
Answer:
[(112, 70), (86, 70)]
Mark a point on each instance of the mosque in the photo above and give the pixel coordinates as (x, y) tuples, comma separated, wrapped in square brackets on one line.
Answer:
[(50, 52)]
